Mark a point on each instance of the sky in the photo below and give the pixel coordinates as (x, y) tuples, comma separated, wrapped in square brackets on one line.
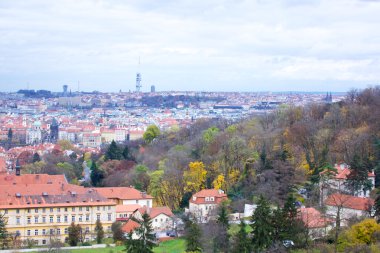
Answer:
[(201, 45)]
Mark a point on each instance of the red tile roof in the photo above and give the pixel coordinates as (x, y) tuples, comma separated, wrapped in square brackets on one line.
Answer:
[(129, 226), (122, 193), (200, 197), (312, 218), (155, 211), (127, 208), (343, 171), (348, 201)]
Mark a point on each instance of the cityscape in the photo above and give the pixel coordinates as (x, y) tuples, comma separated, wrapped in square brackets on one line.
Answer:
[(196, 126)]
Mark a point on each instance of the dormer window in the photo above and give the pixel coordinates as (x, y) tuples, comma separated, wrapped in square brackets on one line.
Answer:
[(211, 198), (207, 199)]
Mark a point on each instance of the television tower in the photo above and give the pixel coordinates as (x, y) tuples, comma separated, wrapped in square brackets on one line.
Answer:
[(138, 80)]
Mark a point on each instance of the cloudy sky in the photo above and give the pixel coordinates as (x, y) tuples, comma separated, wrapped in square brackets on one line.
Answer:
[(222, 45)]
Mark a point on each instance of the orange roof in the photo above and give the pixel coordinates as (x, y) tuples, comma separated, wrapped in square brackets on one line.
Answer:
[(122, 193), (155, 211), (26, 179), (312, 218), (129, 226), (127, 208), (218, 195), (348, 201), (343, 171)]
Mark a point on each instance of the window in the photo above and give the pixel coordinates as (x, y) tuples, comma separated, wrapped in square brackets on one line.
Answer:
[(58, 231), (36, 219), (66, 218), (44, 219), (87, 217), (155, 220), (87, 208), (98, 216), (109, 207), (73, 209), (73, 218), (80, 218), (161, 220), (28, 220), (51, 210), (109, 217), (43, 231), (51, 219), (66, 231), (109, 228), (36, 210), (87, 230), (44, 210), (65, 209), (58, 209), (98, 208), (43, 242), (28, 232), (17, 211), (51, 231), (211, 198), (58, 219), (18, 233), (80, 209), (104, 208), (36, 232), (28, 210), (207, 199), (18, 220)]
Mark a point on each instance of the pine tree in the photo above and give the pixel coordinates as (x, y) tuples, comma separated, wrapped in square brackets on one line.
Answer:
[(113, 152), (293, 227), (126, 153), (36, 157), (262, 229), (358, 178), (241, 241), (74, 234), (99, 232), (97, 175), (221, 239), (377, 206), (193, 235), (145, 241), (4, 236)]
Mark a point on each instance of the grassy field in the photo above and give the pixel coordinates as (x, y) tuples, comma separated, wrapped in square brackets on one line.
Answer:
[(173, 246)]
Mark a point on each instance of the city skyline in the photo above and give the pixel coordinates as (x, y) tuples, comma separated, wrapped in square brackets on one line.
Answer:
[(190, 45)]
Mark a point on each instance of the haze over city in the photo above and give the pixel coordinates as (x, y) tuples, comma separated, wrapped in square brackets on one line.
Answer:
[(313, 45)]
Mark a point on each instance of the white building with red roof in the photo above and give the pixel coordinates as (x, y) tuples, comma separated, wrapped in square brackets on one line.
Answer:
[(348, 206), (339, 180), (162, 217), (203, 204), (317, 225)]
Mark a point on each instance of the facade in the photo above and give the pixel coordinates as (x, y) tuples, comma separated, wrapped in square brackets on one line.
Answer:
[(126, 196), (42, 207), (203, 204), (92, 140), (348, 207), (34, 134), (162, 217)]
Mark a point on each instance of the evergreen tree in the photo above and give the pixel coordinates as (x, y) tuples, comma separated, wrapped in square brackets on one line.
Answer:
[(113, 152), (97, 175), (4, 236), (193, 235), (262, 229), (221, 239), (358, 178), (117, 233), (74, 234), (145, 237), (241, 241), (99, 232), (293, 228), (36, 157), (377, 206), (126, 153)]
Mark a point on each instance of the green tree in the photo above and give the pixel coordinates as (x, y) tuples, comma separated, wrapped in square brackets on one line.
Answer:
[(117, 233), (293, 227), (36, 157), (358, 178), (221, 240), (127, 153), (151, 133), (99, 232), (210, 134), (262, 229), (241, 241), (193, 234), (74, 234), (97, 175), (377, 206), (113, 152), (145, 237), (4, 236)]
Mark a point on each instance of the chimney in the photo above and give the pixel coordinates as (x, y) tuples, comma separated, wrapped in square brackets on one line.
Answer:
[(18, 168)]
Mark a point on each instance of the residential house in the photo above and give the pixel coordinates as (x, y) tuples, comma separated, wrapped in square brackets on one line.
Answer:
[(203, 204), (126, 196), (317, 225), (162, 217), (125, 212)]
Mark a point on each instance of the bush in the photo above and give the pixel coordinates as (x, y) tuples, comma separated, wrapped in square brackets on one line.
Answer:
[(86, 244)]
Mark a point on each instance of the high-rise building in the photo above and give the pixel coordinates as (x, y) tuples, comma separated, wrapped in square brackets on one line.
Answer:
[(65, 87), (138, 82), (152, 88)]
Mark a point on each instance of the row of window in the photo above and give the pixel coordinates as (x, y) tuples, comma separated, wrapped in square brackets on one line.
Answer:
[(60, 219), (59, 209)]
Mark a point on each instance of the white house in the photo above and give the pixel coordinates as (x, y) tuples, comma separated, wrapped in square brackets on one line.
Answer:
[(316, 224), (162, 217), (203, 204), (348, 207)]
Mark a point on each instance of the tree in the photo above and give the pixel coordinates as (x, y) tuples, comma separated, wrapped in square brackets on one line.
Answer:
[(99, 231), (360, 233), (377, 206), (36, 157), (195, 177), (127, 153), (241, 241), (4, 236), (193, 236), (97, 175), (262, 230), (145, 237), (113, 152), (293, 227), (74, 234), (117, 233), (221, 239), (151, 133), (358, 178)]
